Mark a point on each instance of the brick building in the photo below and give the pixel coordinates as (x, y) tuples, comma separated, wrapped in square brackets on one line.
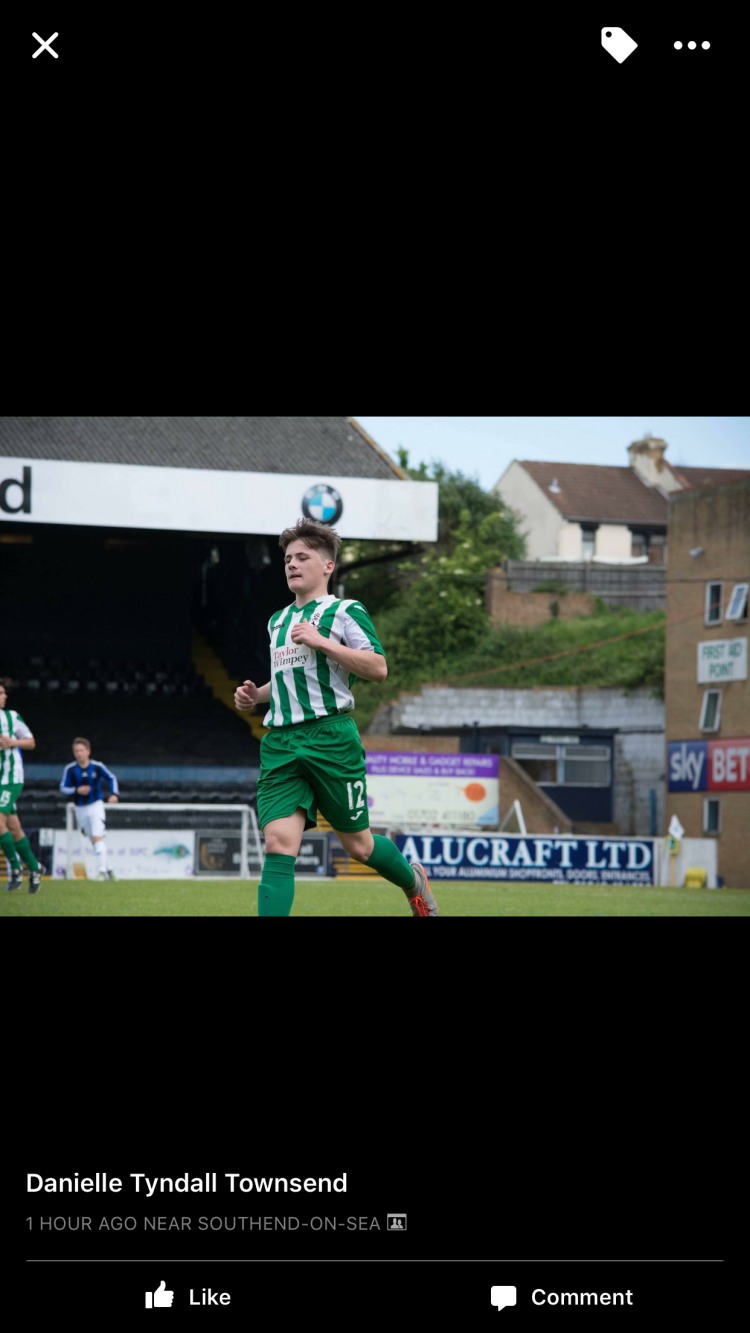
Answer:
[(707, 690)]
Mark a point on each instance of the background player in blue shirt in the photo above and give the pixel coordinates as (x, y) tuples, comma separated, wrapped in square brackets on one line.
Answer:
[(83, 779)]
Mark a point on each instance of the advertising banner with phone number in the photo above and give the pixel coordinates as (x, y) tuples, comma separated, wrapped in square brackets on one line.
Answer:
[(556, 860)]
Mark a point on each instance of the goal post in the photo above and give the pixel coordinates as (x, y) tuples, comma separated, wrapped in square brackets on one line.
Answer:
[(248, 823)]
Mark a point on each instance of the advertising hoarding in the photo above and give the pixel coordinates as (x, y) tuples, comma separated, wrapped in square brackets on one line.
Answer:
[(440, 790), (709, 765), (533, 859), (131, 853), (179, 499)]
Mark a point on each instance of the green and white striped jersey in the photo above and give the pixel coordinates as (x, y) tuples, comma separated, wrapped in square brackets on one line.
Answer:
[(11, 763), (306, 684)]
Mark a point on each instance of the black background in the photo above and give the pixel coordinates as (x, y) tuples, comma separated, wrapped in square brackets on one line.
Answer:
[(517, 1088)]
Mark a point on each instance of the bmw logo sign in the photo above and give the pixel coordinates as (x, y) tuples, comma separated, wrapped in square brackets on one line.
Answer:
[(322, 503)]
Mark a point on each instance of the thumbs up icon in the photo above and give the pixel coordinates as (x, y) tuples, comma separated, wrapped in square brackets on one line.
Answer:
[(159, 1297)]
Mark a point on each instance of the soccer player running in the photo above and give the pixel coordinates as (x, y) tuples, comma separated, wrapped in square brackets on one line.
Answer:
[(313, 757), (14, 737), (83, 779)]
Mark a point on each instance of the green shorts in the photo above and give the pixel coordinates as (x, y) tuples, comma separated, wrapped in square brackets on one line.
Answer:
[(318, 765), (8, 796)]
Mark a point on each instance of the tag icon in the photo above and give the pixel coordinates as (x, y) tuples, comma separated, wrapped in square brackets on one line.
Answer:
[(617, 42)]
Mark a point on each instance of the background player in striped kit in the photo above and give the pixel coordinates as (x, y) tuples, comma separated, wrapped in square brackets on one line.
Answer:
[(83, 779), (14, 737), (312, 757)]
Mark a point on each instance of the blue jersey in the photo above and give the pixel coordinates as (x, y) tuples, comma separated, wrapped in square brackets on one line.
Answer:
[(90, 775)]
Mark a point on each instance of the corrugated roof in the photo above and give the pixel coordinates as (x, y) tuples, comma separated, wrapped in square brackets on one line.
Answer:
[(330, 446), (590, 493)]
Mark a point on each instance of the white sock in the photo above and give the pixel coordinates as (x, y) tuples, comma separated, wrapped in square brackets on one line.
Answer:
[(101, 855)]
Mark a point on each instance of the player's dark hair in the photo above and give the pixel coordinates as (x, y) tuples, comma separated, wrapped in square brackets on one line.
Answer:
[(81, 740), (313, 534)]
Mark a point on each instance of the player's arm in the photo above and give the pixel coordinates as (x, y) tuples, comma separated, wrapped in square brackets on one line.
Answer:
[(247, 695), (114, 790), (67, 786), (363, 662), (360, 652), (21, 739)]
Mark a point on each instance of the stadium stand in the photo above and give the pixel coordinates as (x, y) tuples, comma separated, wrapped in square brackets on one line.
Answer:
[(135, 637), (138, 715)]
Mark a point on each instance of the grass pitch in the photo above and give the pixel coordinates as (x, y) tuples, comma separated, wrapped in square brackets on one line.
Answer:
[(153, 897)]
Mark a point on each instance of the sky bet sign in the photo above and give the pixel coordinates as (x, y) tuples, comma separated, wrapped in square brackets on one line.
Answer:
[(555, 860), (709, 765)]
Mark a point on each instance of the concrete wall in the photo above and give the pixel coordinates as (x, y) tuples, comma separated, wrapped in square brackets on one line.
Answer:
[(540, 519), (716, 518), (543, 706), (639, 767), (693, 852)]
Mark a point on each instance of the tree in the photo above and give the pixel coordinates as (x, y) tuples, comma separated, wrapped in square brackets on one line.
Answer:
[(381, 573)]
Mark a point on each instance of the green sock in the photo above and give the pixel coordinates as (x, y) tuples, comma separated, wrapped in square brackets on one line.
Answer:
[(276, 888), (23, 847), (8, 846), (390, 864)]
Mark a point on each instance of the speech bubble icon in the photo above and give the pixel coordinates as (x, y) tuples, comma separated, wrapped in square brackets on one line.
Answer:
[(502, 1296)]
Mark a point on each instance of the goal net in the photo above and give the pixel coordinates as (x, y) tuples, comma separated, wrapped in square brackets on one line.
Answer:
[(162, 841)]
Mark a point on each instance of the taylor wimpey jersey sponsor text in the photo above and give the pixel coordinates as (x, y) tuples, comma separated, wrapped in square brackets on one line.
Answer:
[(306, 684)]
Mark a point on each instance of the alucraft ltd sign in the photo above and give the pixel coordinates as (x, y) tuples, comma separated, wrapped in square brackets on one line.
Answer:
[(556, 860), (177, 499)]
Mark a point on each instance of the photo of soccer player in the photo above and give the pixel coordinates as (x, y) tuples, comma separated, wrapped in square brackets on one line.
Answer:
[(83, 779), (313, 758), (15, 736)]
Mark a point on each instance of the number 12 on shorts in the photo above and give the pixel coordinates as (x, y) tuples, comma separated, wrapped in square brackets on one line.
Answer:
[(360, 797)]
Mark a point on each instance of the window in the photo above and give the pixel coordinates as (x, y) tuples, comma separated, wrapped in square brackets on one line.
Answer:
[(588, 543), (737, 609), (539, 761), (711, 710), (565, 765), (657, 550), (585, 765), (712, 815), (639, 544), (713, 603)]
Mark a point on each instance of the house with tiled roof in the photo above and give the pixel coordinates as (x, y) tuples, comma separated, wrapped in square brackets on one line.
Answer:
[(587, 511)]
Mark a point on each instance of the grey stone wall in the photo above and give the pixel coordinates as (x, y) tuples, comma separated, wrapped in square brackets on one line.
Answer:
[(639, 767), (561, 706)]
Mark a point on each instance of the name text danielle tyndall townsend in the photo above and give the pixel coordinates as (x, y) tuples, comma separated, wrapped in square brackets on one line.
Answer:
[(101, 1183)]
